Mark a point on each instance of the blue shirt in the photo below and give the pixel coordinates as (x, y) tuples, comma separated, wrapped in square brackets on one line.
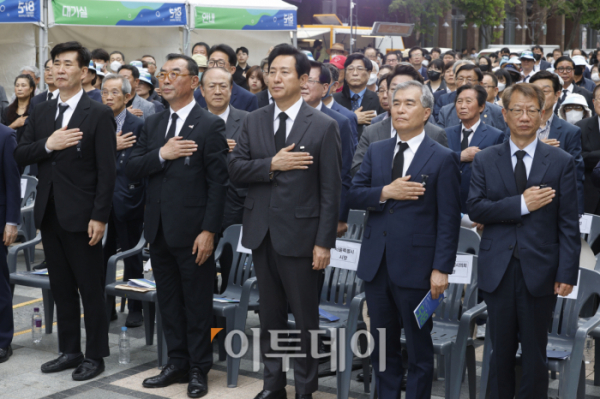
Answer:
[(528, 161), (361, 95)]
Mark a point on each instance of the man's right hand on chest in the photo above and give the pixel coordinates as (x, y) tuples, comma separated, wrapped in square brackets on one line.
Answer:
[(63, 138), (178, 148), (287, 160), (402, 189)]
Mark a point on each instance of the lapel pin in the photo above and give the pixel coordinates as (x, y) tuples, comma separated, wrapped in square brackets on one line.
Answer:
[(485, 116), (424, 177), (301, 147), (191, 126), (187, 161)]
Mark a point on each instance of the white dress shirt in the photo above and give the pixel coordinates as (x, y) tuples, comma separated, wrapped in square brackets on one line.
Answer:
[(473, 128), (182, 115), (528, 161), (409, 153), (72, 103), (224, 115), (330, 104), (292, 114), (54, 94)]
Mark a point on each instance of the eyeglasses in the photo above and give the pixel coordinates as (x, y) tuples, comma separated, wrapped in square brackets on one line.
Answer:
[(469, 80), (518, 112), (151, 63), (488, 87), (313, 82), (563, 69), (573, 108), (114, 93), (217, 63), (172, 75), (351, 69)]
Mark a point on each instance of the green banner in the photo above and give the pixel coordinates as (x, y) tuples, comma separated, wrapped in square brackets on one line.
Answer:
[(244, 19), (118, 13)]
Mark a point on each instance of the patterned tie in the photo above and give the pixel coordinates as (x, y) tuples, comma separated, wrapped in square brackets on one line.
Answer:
[(465, 141), (398, 167), (355, 104)]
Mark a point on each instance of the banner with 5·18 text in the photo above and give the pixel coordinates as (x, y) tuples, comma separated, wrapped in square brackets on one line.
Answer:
[(118, 13), (244, 19), (19, 11)]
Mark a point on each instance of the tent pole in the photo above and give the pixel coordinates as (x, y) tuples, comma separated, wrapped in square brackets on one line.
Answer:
[(186, 30), (295, 38), (43, 42)]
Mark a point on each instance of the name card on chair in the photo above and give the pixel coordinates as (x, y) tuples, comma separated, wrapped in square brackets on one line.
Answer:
[(585, 224), (463, 268), (23, 187), (345, 255), (240, 248)]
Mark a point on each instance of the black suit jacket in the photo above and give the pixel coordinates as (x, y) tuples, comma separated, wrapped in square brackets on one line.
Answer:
[(590, 150), (236, 193), (128, 199), (588, 97), (188, 196), (240, 98), (544, 65), (370, 102), (299, 208), (40, 98), (82, 181), (263, 98)]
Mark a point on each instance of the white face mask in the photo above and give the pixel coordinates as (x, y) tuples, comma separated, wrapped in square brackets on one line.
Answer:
[(425, 63), (595, 77), (574, 116), (501, 87), (115, 65), (99, 66)]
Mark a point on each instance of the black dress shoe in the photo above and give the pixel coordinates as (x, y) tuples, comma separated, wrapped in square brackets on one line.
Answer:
[(305, 396), (280, 394), (197, 387), (41, 266), (88, 369), (5, 354), (63, 362), (169, 375), (134, 319)]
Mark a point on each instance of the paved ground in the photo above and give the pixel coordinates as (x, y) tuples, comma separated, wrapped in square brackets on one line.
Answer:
[(20, 377)]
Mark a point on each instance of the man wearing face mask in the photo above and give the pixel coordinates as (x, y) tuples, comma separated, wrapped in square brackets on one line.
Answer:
[(101, 59), (117, 59), (527, 64), (540, 63), (579, 79), (565, 67)]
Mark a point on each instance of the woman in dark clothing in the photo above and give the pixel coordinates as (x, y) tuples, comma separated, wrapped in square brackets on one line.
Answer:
[(16, 114)]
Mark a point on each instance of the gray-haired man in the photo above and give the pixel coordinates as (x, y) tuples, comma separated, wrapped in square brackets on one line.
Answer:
[(127, 214)]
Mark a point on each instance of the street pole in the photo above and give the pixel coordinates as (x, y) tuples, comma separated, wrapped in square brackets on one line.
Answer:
[(351, 22)]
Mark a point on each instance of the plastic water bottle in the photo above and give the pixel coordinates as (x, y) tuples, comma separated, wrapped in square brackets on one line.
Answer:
[(36, 326), (124, 349)]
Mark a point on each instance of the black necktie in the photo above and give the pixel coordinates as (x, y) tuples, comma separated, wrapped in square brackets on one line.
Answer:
[(58, 123), (399, 161), (520, 172), (49, 96), (560, 101), (280, 135), (355, 105), (465, 141), (172, 128)]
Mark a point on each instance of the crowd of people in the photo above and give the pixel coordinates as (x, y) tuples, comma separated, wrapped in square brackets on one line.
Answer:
[(183, 148)]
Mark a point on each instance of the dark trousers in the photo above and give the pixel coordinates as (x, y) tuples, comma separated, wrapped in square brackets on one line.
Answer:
[(391, 307), (125, 235), (185, 299), (7, 327), (75, 268), (282, 280), (515, 315)]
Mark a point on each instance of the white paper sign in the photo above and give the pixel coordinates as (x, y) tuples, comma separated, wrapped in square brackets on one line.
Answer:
[(463, 268), (147, 266), (23, 187), (573, 294), (585, 224), (240, 248), (345, 255)]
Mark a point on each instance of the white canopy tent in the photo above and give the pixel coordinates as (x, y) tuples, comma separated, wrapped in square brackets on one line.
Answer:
[(254, 25), (154, 27)]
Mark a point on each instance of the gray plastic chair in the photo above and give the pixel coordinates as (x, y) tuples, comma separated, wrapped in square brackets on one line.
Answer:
[(356, 224), (26, 228), (568, 334), (468, 241), (242, 288), (594, 229)]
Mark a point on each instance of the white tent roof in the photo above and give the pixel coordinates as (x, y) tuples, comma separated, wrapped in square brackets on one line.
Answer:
[(262, 4)]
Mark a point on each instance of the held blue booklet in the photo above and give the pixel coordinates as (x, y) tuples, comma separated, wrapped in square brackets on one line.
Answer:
[(426, 308)]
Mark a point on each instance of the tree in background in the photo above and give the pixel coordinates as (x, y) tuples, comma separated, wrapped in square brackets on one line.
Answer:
[(424, 13), (579, 11), (486, 14)]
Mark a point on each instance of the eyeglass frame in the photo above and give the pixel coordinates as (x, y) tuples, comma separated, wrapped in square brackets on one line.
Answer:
[(162, 75), (523, 111)]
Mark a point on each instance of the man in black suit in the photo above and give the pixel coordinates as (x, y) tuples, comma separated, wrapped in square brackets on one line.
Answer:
[(290, 155), (127, 215), (182, 151), (565, 67), (73, 141), (540, 63), (530, 247), (223, 56), (49, 94), (355, 96)]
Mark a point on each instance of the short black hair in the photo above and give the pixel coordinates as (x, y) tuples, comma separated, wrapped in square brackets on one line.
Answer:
[(192, 66), (491, 75), (284, 49), (504, 73), (385, 57), (413, 49), (149, 56), (335, 73), (450, 53), (358, 56), (479, 90), (404, 70), (46, 63), (471, 67), (438, 63), (100, 54), (118, 52), (243, 49), (436, 50), (324, 74), (556, 86), (223, 48), (564, 58), (537, 47), (134, 71), (83, 55), (548, 55), (505, 50), (206, 46)]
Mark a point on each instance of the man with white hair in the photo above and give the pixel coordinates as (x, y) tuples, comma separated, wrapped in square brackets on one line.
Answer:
[(408, 224)]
